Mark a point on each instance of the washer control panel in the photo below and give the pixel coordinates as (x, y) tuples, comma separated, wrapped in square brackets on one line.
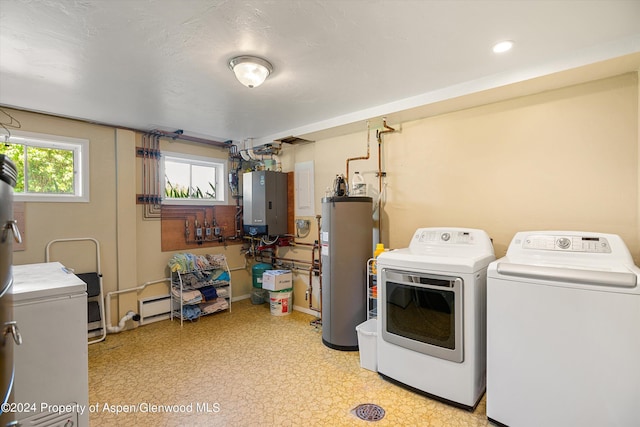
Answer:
[(589, 244)]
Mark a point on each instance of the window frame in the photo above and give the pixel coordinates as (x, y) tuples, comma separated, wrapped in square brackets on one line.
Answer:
[(80, 148), (220, 166)]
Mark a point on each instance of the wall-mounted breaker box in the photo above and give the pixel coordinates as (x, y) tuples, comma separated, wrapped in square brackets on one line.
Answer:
[(264, 198)]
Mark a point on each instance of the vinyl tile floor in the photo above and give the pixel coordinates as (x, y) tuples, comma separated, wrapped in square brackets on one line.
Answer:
[(246, 368)]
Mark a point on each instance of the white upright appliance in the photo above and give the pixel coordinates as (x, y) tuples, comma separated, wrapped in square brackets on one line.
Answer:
[(563, 330), (431, 304), (50, 305)]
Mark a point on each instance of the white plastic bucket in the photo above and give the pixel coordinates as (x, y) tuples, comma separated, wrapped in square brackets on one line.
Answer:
[(281, 302), (367, 344)]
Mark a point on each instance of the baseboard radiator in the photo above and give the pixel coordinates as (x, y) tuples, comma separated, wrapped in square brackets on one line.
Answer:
[(154, 309)]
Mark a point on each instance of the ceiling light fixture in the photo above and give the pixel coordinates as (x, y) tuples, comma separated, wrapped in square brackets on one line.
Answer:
[(502, 46), (251, 71)]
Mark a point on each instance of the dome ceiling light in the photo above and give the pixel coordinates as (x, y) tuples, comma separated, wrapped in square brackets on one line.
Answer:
[(251, 71)]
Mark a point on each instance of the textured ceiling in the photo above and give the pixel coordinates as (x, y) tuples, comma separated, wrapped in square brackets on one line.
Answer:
[(149, 64)]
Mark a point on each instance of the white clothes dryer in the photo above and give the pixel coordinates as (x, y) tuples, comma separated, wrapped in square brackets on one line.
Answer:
[(563, 331), (431, 323)]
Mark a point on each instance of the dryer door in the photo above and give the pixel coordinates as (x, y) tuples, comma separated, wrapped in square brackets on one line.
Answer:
[(423, 312)]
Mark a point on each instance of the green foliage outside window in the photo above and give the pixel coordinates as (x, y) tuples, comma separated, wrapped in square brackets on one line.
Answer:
[(176, 191), (48, 170)]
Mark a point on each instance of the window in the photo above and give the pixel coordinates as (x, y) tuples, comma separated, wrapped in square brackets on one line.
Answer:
[(193, 179), (50, 168)]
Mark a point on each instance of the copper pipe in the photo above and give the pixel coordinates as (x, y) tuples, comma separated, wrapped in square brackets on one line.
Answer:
[(379, 166), (387, 129), (299, 261), (311, 270), (311, 288), (303, 244), (273, 258), (313, 260), (314, 267), (358, 158)]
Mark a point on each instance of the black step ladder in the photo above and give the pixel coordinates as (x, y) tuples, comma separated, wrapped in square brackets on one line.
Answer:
[(96, 327)]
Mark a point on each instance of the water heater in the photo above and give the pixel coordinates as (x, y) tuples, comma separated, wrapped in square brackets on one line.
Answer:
[(347, 232), (264, 196)]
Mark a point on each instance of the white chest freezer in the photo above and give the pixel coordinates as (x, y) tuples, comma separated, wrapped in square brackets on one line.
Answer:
[(50, 307)]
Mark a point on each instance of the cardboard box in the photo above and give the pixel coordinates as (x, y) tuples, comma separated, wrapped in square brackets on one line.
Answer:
[(277, 280)]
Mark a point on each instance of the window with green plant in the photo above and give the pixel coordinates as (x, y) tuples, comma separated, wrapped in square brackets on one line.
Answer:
[(192, 178), (50, 168)]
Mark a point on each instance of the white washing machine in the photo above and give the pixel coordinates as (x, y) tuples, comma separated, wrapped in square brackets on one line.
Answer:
[(563, 330), (431, 322)]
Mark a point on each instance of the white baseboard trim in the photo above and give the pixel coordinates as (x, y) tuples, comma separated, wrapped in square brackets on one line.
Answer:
[(240, 298), (306, 310)]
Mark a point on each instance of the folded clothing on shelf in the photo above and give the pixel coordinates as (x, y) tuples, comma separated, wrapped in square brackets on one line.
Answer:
[(209, 293), (191, 312), (212, 307), (188, 297)]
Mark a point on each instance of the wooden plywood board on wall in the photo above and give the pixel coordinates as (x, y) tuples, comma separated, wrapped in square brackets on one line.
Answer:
[(176, 220)]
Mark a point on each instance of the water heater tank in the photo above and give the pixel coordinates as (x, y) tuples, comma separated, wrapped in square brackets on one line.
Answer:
[(347, 233), (264, 196)]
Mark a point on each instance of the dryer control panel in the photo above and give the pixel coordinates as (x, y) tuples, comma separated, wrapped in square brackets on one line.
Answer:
[(449, 237), (444, 236), (568, 243)]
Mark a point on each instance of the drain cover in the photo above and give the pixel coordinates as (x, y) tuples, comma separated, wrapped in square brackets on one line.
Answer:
[(369, 412)]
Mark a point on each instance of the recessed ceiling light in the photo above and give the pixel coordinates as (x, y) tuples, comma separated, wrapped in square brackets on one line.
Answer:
[(502, 46)]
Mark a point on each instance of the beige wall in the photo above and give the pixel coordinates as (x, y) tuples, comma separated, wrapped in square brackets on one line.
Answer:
[(564, 159), (96, 219), (129, 245)]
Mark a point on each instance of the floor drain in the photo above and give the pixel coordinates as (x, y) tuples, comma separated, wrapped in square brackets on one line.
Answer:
[(369, 412)]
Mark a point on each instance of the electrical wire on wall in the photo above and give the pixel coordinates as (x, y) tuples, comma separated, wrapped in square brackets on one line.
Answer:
[(152, 183), (5, 124), (235, 166), (302, 227), (152, 188)]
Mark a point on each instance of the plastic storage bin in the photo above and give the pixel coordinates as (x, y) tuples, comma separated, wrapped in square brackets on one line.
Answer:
[(258, 296), (367, 344), (257, 271)]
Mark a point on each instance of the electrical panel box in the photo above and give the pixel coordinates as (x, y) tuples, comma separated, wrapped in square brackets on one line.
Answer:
[(264, 196)]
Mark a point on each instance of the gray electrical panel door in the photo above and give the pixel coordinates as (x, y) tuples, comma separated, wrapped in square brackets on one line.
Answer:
[(264, 196)]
